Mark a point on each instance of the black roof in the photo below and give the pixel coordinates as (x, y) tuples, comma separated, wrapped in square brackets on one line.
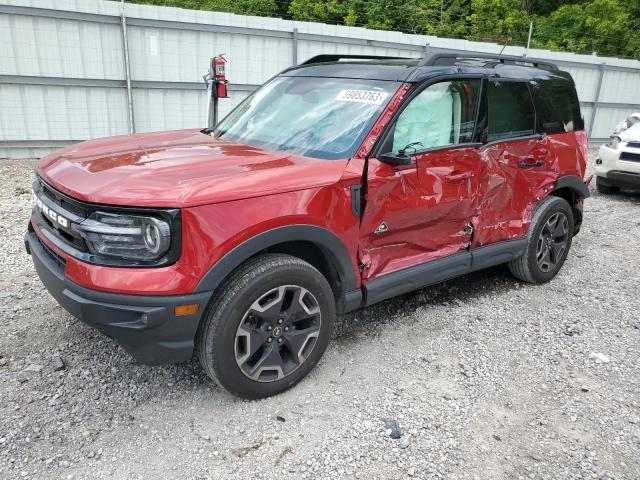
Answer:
[(402, 69)]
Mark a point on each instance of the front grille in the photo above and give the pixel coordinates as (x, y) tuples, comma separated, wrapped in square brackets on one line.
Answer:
[(64, 206), (63, 200), (630, 157), (633, 144), (60, 261)]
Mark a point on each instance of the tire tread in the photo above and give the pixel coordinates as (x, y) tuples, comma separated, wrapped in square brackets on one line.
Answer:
[(520, 267), (253, 268)]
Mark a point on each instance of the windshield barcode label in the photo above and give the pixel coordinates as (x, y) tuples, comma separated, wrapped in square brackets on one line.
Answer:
[(362, 96)]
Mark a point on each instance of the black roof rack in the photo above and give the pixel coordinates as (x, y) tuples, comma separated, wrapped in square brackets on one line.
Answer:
[(447, 59), (338, 57), (451, 58)]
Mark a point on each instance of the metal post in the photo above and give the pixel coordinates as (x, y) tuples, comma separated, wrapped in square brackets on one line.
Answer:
[(596, 100), (127, 69), (295, 46), (212, 106), (530, 32)]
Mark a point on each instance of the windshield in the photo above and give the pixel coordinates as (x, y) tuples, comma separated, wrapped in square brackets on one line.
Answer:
[(317, 117)]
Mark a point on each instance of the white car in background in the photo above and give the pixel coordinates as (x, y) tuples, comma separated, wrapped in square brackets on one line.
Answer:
[(628, 122), (618, 162)]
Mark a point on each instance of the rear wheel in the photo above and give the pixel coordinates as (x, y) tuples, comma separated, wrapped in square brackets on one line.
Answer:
[(267, 327), (604, 187), (548, 242)]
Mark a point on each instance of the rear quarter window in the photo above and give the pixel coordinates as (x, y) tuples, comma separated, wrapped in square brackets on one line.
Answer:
[(557, 107), (510, 109)]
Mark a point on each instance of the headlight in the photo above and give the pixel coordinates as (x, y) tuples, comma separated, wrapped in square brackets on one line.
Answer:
[(615, 141), (130, 237)]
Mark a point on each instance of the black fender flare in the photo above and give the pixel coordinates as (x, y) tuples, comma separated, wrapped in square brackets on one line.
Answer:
[(330, 245), (574, 183)]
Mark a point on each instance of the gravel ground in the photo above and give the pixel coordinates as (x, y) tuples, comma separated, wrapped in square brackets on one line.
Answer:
[(480, 377)]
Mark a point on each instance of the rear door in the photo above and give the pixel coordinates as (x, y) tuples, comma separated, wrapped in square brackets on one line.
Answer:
[(517, 163), (420, 212)]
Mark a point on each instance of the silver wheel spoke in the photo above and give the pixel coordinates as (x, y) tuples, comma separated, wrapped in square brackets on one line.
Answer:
[(552, 242), (271, 361), (277, 333), (299, 340)]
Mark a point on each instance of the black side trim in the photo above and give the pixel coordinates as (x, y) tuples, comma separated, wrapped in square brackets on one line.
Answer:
[(350, 301), (418, 276), (436, 271), (355, 200), (574, 183), (332, 247), (498, 253)]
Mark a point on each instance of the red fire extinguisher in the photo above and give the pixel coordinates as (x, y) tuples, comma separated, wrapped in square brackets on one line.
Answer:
[(218, 75), (217, 82)]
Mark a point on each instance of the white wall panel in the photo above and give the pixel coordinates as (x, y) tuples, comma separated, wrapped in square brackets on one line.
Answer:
[(33, 112), (621, 87), (59, 48), (91, 48), (606, 119), (164, 109)]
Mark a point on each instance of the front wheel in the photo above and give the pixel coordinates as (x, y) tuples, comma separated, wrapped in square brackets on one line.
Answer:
[(267, 327), (548, 242)]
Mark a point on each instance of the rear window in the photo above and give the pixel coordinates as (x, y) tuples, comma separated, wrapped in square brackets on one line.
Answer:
[(557, 107), (510, 109)]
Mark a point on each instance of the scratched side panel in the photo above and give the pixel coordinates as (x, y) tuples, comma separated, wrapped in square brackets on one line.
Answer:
[(507, 193)]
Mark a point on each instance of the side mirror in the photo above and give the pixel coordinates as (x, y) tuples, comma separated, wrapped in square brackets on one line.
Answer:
[(396, 159)]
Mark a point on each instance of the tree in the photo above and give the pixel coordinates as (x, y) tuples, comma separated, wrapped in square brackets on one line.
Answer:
[(608, 27)]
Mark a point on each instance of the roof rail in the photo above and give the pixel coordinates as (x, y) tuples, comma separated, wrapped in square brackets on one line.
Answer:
[(338, 57), (450, 59)]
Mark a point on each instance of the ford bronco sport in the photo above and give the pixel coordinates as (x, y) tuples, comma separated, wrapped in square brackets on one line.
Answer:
[(339, 183)]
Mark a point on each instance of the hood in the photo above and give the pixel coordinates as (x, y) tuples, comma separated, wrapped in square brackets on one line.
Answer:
[(178, 169), (631, 134)]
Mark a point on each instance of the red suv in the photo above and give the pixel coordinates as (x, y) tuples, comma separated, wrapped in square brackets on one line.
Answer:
[(339, 183)]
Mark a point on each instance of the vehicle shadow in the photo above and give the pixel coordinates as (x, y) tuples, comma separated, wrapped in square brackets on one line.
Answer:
[(623, 196), (369, 321), (350, 328)]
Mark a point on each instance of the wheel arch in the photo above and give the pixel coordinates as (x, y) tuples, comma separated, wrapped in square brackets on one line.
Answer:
[(315, 245), (571, 188), (572, 184)]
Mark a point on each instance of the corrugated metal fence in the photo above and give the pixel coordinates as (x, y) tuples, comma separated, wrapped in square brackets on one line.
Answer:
[(77, 69)]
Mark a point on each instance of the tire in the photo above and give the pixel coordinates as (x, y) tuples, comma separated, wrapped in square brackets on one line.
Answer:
[(604, 187), (267, 326), (544, 241)]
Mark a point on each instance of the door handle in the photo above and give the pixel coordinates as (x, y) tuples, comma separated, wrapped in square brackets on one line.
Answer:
[(536, 164), (458, 177)]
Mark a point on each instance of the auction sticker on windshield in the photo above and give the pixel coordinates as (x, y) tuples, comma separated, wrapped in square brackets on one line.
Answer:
[(362, 96)]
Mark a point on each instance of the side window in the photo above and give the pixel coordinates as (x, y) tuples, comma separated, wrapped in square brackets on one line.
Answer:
[(511, 112), (442, 114), (557, 107)]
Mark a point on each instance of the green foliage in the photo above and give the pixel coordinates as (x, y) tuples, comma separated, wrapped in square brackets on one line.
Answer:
[(264, 8), (608, 27)]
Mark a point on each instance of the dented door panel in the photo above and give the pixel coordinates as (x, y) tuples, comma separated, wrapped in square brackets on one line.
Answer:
[(514, 176), (425, 210)]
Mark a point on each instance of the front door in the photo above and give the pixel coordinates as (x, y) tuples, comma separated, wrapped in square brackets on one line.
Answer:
[(420, 212)]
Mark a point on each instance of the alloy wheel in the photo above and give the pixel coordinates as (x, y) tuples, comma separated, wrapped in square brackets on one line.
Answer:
[(552, 241), (277, 333)]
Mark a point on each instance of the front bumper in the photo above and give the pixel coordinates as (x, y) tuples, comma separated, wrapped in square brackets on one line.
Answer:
[(145, 326), (623, 160), (625, 180)]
